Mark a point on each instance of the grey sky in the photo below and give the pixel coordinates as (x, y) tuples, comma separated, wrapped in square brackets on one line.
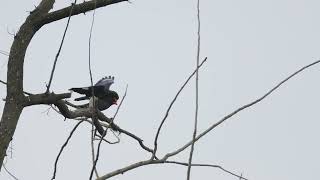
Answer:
[(151, 45)]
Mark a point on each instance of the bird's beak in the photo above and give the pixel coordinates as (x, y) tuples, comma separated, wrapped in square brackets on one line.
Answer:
[(115, 101)]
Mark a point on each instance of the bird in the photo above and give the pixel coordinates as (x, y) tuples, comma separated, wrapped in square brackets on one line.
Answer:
[(103, 96)]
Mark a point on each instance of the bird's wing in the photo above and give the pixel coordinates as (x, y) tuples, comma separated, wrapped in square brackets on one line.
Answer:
[(106, 82)]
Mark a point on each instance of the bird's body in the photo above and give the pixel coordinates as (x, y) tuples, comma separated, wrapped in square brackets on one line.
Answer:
[(104, 97)]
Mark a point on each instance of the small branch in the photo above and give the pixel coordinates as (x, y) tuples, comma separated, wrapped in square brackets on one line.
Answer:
[(92, 148), (44, 98), (98, 154), (240, 109), (89, 49), (161, 161), (62, 148), (59, 50), (4, 53), (127, 168), (23, 91), (124, 96), (206, 165), (170, 106), (115, 142), (197, 95), (94, 119), (5, 168)]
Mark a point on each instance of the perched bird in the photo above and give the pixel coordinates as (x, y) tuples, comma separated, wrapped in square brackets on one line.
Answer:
[(104, 97)]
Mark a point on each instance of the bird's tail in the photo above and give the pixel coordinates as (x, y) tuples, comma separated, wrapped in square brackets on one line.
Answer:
[(83, 90), (81, 98)]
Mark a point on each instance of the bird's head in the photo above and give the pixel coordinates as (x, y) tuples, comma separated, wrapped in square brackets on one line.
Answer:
[(114, 96)]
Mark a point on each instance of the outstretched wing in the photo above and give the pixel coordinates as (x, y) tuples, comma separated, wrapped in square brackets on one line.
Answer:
[(106, 82)]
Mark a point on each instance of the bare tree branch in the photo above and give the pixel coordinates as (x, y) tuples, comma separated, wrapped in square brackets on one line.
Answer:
[(94, 119), (60, 47), (62, 148), (4, 53), (5, 168), (197, 94), (78, 9), (44, 98), (78, 113), (160, 161), (240, 109), (27, 93), (170, 106), (127, 168), (124, 96), (206, 165), (109, 142), (92, 149)]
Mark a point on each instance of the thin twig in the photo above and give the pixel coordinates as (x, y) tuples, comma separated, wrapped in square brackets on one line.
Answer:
[(92, 148), (59, 50), (89, 48), (109, 142), (124, 96), (197, 95), (5, 168), (62, 148), (94, 119), (170, 106), (240, 109), (206, 165), (27, 93), (105, 133), (4, 53)]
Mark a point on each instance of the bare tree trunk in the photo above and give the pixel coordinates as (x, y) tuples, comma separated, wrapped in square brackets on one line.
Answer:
[(15, 98)]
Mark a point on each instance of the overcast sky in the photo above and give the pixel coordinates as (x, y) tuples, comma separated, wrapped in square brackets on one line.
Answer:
[(151, 45)]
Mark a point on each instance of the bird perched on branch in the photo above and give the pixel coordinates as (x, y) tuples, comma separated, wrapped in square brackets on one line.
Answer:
[(104, 97)]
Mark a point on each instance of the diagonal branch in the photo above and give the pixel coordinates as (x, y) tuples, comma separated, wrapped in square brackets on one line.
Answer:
[(4, 53), (62, 148), (170, 106), (60, 47), (240, 109)]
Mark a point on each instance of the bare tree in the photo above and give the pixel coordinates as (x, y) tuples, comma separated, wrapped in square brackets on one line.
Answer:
[(16, 99)]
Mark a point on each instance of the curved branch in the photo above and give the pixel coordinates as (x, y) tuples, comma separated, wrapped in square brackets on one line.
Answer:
[(239, 110), (78, 9), (170, 106)]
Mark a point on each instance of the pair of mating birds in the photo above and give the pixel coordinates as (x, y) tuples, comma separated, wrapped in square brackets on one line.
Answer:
[(104, 97)]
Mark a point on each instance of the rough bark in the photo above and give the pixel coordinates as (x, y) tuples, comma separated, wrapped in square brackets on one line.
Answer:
[(15, 97)]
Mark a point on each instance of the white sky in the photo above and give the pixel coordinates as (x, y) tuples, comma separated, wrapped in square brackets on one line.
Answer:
[(151, 45)]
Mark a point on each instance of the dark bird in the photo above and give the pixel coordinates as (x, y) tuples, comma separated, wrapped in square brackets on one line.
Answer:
[(104, 97)]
